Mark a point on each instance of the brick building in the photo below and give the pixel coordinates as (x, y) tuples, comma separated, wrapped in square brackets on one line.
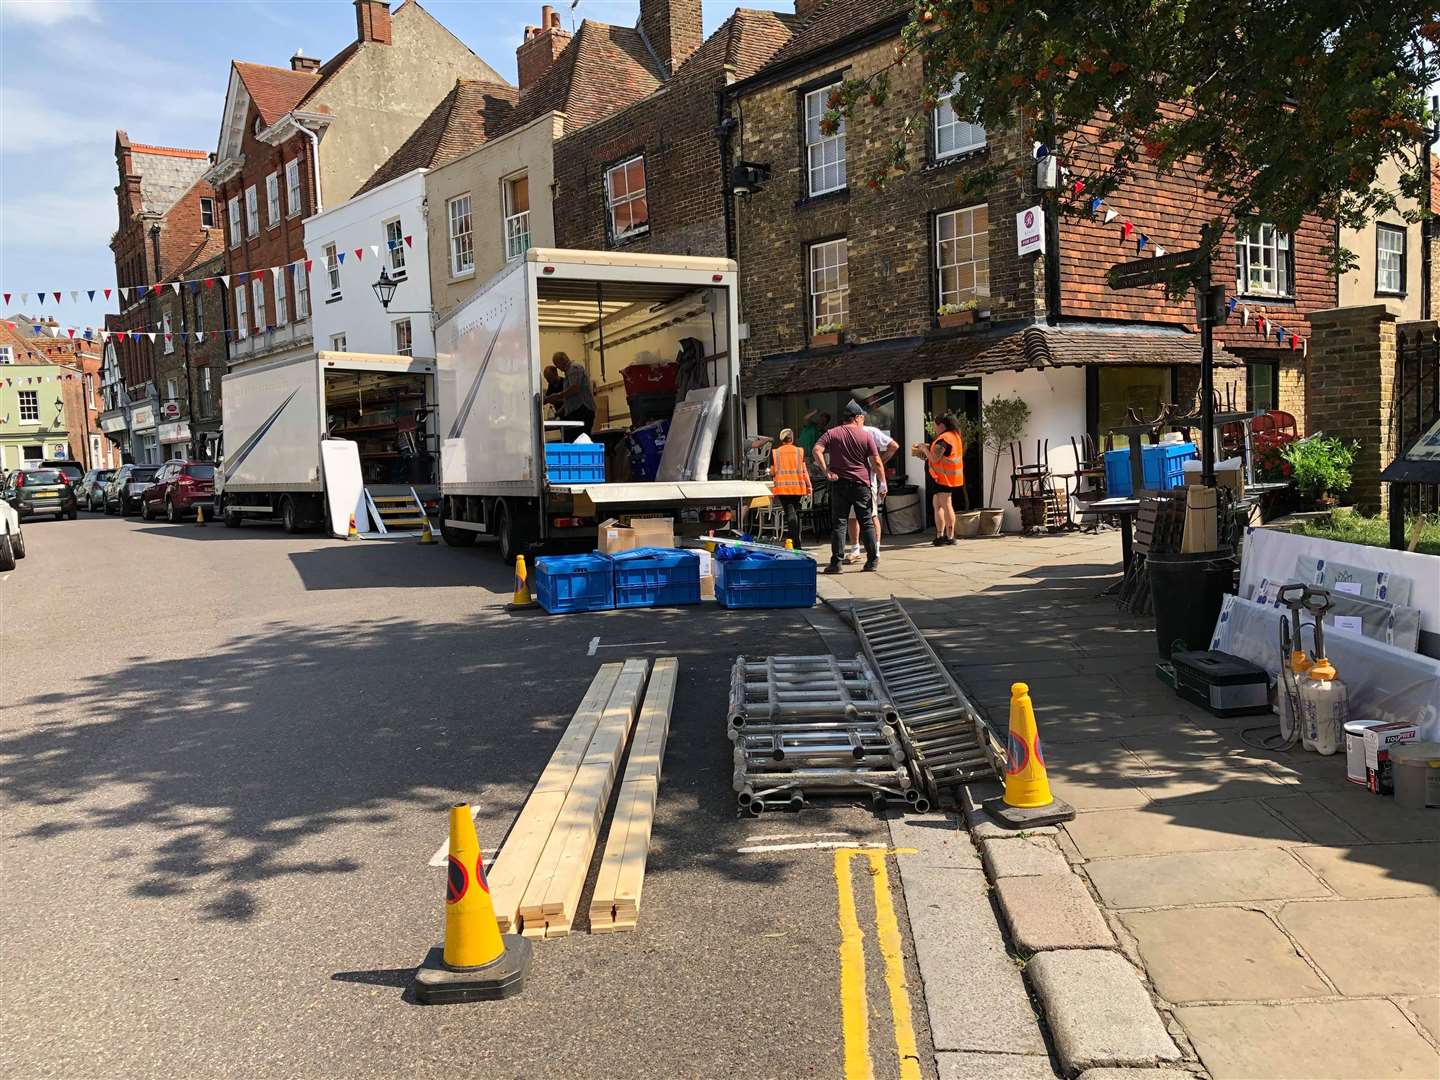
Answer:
[(191, 353), (824, 257), (60, 414), (166, 211)]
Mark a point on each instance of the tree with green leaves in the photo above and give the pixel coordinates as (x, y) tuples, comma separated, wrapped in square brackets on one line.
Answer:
[(1281, 109)]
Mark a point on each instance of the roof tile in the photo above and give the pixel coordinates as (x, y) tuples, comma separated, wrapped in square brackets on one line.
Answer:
[(275, 91)]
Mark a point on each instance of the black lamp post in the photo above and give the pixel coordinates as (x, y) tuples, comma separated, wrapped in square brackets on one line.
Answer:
[(385, 288)]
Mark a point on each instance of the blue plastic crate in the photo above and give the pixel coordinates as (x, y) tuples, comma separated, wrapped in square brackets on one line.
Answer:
[(656, 577), (1162, 468), (646, 445), (575, 583), (575, 463), (761, 580)]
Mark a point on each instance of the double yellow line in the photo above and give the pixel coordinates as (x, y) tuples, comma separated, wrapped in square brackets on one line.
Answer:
[(854, 1005)]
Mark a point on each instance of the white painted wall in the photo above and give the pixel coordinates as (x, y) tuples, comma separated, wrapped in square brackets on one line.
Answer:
[(912, 409), (1057, 411), (360, 223)]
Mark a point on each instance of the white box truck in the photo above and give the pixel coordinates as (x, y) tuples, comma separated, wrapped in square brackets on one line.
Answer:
[(607, 311), (319, 438)]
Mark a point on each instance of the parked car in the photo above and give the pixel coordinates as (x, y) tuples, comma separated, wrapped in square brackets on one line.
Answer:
[(122, 495), (90, 491), (179, 487), (69, 466), (41, 491), (12, 537)]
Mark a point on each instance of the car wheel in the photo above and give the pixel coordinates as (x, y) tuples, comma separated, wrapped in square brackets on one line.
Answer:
[(289, 516), (73, 513), (17, 543), (7, 552), (105, 505), (145, 514), (171, 514)]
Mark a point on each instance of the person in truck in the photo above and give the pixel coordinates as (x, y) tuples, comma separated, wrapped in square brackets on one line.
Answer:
[(575, 401)]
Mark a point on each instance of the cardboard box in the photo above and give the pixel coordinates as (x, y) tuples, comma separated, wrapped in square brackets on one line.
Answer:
[(1378, 740), (707, 587), (640, 532), (1229, 473), (1200, 520)]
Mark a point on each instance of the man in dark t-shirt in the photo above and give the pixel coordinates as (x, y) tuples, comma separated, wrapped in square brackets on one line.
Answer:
[(848, 455)]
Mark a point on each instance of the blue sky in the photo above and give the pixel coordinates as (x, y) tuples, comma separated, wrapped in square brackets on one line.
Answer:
[(72, 71)]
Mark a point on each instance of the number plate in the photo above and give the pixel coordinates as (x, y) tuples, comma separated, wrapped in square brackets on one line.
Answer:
[(47, 494)]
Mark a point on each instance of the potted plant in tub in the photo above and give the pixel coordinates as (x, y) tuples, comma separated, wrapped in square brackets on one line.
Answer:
[(1002, 421), (827, 334), (959, 314), (1320, 468)]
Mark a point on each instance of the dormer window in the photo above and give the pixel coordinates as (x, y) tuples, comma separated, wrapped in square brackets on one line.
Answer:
[(259, 126)]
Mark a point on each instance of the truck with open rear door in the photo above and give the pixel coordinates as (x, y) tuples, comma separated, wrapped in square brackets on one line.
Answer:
[(607, 311), (319, 438)]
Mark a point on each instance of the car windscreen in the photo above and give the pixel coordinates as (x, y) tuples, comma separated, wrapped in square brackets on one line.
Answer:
[(38, 477), (142, 474), (200, 472)]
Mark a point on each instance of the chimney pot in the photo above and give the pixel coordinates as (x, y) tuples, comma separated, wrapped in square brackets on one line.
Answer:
[(555, 24), (547, 13), (542, 44)]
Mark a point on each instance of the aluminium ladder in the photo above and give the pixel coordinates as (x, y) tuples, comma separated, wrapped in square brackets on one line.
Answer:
[(947, 741)]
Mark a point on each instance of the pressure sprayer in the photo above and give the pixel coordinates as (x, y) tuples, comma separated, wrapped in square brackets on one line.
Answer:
[(1324, 700), (1294, 662)]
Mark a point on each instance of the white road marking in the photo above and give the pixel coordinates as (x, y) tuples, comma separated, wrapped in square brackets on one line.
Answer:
[(795, 836), (594, 644), (443, 851), (816, 845), (624, 644)]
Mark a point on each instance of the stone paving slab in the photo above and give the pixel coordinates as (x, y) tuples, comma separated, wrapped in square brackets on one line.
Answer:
[(1371, 946), (1378, 819), (1377, 870), (1098, 1010), (968, 1066), (1330, 1040), (1313, 819), (1427, 1011), (1052, 912), (1245, 956), (1029, 856), (1136, 1074), (1202, 877), (1178, 827), (938, 838), (1215, 783)]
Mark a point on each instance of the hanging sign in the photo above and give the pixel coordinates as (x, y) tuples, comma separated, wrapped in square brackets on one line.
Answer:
[(1030, 231)]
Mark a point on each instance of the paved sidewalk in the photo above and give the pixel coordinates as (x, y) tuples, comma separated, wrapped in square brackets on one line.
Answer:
[(1287, 922)]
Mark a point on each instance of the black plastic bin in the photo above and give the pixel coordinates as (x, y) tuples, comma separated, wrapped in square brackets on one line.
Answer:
[(1186, 592)]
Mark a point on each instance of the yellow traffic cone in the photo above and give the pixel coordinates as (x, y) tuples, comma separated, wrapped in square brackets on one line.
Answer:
[(199, 514), (522, 599), (477, 962), (426, 536), (1027, 800), (353, 533)]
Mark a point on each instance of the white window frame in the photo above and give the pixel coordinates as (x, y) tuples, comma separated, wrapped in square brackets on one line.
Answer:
[(252, 212), (1263, 263), (967, 136), (979, 259), (403, 335), (332, 269), (29, 410), (172, 390), (7, 354), (234, 208), (242, 313), (293, 194), (338, 343), (459, 216), (205, 378), (302, 292), (167, 328), (829, 282), (203, 205), (272, 199), (824, 154), (257, 297), (1389, 262), (394, 231), (615, 199), (516, 223), (282, 299)]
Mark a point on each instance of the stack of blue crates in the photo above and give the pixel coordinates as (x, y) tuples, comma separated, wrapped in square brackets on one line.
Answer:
[(1162, 468), (575, 463), (758, 579), (575, 583), (656, 577)]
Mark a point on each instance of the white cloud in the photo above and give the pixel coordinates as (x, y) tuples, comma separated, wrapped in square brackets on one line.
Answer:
[(49, 12)]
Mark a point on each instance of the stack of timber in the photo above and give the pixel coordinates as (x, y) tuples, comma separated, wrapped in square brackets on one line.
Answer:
[(515, 866), (616, 902)]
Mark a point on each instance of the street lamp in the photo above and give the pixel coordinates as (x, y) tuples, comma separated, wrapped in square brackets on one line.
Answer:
[(385, 288)]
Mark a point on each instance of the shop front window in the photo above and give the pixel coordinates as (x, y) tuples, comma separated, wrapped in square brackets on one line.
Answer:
[(1120, 389), (810, 414)]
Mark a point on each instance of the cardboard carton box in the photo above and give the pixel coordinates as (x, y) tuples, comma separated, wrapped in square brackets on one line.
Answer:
[(1378, 740), (640, 532)]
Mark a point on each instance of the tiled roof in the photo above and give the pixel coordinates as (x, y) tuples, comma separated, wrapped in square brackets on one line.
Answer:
[(1012, 348), (472, 112), (744, 41), (602, 69), (209, 248), (275, 91), (168, 151), (835, 20)]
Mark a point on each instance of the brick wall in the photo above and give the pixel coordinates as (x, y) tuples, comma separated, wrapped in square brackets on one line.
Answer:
[(1352, 368), (893, 292)]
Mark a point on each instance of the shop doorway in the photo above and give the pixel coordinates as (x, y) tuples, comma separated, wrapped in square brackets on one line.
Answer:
[(961, 397)]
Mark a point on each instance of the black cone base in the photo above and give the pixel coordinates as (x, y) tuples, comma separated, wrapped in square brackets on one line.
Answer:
[(1015, 817), (436, 984)]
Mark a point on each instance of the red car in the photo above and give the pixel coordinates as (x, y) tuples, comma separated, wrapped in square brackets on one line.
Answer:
[(178, 488)]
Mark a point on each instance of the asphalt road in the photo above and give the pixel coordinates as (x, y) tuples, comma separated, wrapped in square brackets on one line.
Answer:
[(225, 762)]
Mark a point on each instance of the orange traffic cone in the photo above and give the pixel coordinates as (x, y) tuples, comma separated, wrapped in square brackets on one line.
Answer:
[(477, 962), (199, 514), (1027, 800), (522, 599), (426, 535), (353, 533)]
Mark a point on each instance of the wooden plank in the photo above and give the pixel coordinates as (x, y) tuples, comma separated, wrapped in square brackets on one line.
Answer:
[(560, 872), (615, 904), (515, 864)]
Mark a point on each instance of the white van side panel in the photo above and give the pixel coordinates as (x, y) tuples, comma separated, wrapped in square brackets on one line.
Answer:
[(271, 421)]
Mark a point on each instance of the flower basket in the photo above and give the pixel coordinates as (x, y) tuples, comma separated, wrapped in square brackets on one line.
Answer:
[(826, 341), (958, 318)]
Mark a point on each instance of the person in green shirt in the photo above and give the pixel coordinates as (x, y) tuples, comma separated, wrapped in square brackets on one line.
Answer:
[(816, 424)]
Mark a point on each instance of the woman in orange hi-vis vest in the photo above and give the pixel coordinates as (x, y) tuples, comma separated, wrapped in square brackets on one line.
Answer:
[(790, 482), (946, 458)]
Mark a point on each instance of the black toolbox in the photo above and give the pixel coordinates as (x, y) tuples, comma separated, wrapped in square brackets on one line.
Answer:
[(1225, 685)]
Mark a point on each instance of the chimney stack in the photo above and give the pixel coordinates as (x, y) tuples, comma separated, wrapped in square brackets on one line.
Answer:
[(301, 62), (372, 21), (804, 8), (541, 46)]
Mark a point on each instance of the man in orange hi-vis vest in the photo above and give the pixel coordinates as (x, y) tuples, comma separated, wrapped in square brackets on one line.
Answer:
[(946, 459), (790, 482)]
